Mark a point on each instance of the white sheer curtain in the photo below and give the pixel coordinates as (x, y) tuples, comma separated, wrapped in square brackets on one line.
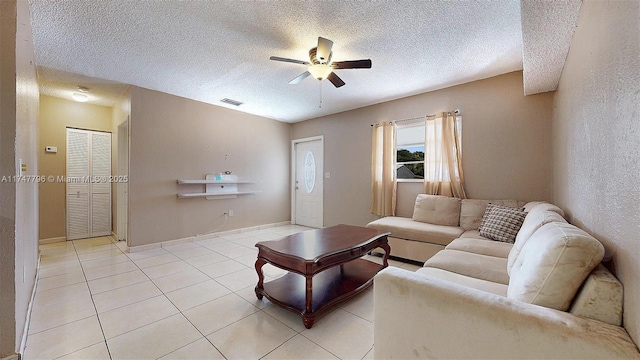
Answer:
[(443, 156), (383, 172)]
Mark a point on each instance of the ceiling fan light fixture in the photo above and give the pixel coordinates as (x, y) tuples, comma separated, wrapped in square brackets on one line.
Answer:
[(320, 71), (79, 97)]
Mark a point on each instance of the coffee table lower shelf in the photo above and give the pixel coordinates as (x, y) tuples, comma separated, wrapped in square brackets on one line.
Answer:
[(329, 288)]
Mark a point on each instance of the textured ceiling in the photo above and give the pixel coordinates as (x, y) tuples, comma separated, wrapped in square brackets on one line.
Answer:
[(210, 50)]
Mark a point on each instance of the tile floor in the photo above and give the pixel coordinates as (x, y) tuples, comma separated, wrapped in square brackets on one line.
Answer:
[(189, 301)]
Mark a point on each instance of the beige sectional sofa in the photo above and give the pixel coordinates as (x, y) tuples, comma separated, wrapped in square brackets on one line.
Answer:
[(436, 222), (545, 296)]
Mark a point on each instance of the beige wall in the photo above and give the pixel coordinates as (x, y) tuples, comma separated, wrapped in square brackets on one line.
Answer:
[(506, 145), (55, 116), (120, 113), (173, 138), (18, 201), (596, 128)]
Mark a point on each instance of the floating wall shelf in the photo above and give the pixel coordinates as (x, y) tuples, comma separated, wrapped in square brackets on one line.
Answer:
[(217, 187)]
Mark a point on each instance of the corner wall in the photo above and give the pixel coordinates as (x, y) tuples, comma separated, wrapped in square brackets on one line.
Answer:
[(18, 199), (506, 145), (596, 139), (176, 138), (55, 116)]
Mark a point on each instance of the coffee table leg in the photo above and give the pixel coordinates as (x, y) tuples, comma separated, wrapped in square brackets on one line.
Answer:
[(309, 317), (387, 251), (259, 263)]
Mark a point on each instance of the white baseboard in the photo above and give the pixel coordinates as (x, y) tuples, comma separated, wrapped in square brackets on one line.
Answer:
[(138, 248), (49, 241)]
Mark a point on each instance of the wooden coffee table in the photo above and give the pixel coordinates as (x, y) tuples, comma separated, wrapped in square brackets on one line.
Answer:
[(324, 267)]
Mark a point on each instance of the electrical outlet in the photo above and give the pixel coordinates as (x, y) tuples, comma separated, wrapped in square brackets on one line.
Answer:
[(230, 212)]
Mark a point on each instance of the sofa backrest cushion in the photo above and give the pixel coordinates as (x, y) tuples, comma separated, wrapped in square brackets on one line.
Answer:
[(472, 211), (541, 205), (437, 209), (553, 264), (537, 217)]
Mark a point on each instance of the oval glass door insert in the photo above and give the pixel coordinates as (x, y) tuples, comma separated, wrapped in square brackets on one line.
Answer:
[(309, 172)]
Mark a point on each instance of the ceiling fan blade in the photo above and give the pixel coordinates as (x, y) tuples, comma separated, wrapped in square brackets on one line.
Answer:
[(335, 80), (352, 64), (324, 49), (300, 77), (276, 58)]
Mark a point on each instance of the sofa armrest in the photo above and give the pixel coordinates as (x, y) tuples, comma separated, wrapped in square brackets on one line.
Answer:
[(417, 316)]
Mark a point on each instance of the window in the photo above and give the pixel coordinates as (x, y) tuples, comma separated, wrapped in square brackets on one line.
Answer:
[(410, 142), (411, 146)]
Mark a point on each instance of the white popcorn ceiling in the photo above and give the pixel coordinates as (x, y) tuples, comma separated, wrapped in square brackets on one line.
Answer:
[(210, 50)]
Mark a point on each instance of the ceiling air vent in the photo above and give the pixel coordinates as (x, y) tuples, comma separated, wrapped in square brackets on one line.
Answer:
[(231, 102)]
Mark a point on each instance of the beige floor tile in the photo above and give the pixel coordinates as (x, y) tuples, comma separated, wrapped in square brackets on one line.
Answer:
[(155, 272), (211, 243), (123, 296), (297, 348), (222, 268), (249, 242), (155, 260), (58, 249), (61, 294), (61, 269), (361, 305), (249, 294), (60, 306), (200, 349), (181, 247), (180, 280), (74, 277), (94, 352), (131, 317), (102, 240), (289, 318), (343, 334), (247, 260), (265, 332), (239, 251), (369, 355), (46, 261), (122, 245), (233, 237), (221, 246), (208, 259), (99, 254), (116, 281), (239, 279), (109, 260), (146, 253), (272, 271), (218, 313), (197, 294), (189, 253), (63, 340), (95, 248), (109, 270), (154, 340)]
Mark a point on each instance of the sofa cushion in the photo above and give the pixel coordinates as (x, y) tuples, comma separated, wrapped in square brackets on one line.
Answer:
[(405, 228), (472, 211), (468, 281), (537, 217), (501, 223), (541, 205), (553, 264), (480, 245), (483, 267), (437, 209)]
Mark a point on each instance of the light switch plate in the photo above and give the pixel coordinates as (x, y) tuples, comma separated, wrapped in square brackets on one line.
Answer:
[(327, 175)]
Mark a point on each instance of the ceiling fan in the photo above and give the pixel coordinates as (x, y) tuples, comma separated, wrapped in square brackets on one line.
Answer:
[(320, 65)]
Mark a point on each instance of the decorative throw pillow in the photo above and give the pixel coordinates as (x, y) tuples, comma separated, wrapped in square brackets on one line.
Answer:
[(501, 223)]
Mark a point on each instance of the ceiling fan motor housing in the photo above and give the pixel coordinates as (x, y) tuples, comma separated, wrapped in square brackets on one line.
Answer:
[(314, 59)]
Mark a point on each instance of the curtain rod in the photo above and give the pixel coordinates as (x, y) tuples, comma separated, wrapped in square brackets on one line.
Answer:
[(457, 112)]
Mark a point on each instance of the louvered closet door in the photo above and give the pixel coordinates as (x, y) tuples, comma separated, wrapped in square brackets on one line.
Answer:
[(77, 187), (88, 185)]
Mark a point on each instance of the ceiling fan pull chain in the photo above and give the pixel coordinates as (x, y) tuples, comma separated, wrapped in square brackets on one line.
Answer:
[(320, 106)]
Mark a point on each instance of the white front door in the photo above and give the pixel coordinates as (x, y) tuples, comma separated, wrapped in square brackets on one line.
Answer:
[(88, 184), (122, 186), (308, 167)]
